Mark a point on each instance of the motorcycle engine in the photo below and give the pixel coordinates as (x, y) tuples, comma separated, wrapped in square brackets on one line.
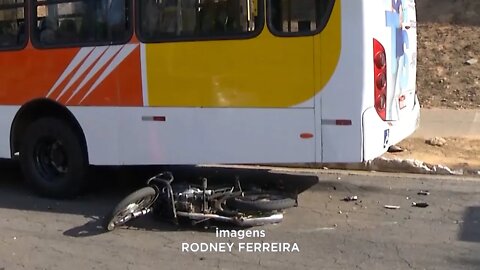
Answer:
[(189, 199)]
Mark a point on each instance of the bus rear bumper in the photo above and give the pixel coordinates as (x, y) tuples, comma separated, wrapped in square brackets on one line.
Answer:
[(379, 135)]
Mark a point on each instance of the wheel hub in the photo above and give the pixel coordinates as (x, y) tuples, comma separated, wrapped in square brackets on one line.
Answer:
[(50, 158)]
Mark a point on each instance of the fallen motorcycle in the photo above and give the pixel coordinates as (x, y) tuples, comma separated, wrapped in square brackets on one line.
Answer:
[(197, 204)]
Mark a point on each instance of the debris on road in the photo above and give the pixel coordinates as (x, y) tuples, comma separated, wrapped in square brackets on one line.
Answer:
[(350, 198), (436, 141), (395, 149), (471, 62), (420, 204), (424, 192), (392, 206)]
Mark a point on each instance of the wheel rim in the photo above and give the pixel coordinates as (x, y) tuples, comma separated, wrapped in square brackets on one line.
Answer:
[(127, 213), (50, 158)]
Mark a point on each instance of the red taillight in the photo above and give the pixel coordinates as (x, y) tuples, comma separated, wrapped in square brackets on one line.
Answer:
[(380, 59), (380, 79)]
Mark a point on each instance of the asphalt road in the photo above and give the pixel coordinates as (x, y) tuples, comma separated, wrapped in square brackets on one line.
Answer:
[(38, 233)]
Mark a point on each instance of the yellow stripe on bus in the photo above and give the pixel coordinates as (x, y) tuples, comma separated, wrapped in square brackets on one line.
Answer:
[(266, 71)]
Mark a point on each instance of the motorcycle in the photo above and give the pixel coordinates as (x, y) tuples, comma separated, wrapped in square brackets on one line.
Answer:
[(198, 204)]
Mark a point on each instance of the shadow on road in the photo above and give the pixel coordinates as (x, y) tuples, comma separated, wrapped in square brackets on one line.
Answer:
[(470, 228), (110, 184), (467, 263)]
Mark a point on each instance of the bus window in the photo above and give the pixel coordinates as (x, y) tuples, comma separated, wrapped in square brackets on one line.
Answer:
[(12, 24), (298, 17), (170, 19), (81, 22)]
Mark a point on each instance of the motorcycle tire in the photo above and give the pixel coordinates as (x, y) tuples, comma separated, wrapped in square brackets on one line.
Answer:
[(139, 200), (263, 202)]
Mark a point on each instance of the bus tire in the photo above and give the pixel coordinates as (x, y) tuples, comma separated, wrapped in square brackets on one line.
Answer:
[(53, 158)]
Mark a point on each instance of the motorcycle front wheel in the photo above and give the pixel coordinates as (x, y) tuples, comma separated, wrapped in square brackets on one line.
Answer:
[(264, 202), (130, 207)]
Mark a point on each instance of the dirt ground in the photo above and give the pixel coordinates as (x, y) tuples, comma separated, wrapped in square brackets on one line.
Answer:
[(448, 36), (457, 153)]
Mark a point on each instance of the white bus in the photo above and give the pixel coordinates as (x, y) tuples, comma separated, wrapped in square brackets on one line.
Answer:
[(124, 82)]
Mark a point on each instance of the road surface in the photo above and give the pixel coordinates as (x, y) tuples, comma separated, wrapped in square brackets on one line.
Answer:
[(329, 233)]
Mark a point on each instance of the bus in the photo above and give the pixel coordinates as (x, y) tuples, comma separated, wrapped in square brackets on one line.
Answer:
[(163, 82)]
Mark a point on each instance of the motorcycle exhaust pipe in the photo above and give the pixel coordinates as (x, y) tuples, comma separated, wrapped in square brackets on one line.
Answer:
[(258, 221), (241, 221)]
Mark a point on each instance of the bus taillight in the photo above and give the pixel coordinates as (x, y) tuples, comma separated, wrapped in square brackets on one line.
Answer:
[(380, 77)]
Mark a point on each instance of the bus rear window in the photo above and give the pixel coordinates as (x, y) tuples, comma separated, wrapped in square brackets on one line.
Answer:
[(298, 17), (161, 20), (12, 24), (81, 22)]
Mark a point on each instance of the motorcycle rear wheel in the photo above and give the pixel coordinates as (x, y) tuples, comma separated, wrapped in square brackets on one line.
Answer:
[(125, 210), (264, 202)]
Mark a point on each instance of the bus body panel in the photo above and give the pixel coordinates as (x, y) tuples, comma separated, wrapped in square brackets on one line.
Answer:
[(341, 98), (263, 72), (265, 99), (349, 95), (7, 114), (395, 28), (379, 135), (101, 127), (147, 136), (221, 135), (89, 76)]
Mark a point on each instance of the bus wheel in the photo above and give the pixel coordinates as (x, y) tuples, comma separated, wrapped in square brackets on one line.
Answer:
[(53, 158)]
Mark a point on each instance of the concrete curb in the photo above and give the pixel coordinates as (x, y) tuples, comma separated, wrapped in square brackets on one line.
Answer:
[(396, 165)]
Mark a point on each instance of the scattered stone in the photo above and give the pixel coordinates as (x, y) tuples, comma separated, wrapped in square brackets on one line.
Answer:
[(472, 61), (436, 141), (395, 149), (420, 204), (350, 198), (393, 207), (395, 165), (424, 192), (444, 170)]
